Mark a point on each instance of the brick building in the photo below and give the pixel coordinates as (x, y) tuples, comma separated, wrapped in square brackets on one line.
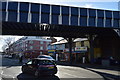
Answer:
[(31, 46)]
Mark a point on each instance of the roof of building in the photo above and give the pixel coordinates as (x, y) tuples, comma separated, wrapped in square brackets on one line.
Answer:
[(63, 41)]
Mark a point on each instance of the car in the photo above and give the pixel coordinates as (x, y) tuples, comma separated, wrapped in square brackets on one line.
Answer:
[(40, 66), (7, 56), (47, 57)]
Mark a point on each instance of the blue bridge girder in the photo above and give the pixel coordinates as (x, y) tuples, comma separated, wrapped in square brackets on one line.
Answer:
[(26, 12), (25, 18)]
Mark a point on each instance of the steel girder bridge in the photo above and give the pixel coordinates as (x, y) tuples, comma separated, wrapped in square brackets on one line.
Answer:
[(35, 19)]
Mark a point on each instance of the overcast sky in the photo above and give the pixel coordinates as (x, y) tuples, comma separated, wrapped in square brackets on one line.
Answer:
[(97, 4)]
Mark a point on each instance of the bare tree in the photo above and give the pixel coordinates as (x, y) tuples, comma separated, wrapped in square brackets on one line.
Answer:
[(4, 47), (8, 41)]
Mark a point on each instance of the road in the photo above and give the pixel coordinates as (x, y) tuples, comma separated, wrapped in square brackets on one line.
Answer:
[(11, 69)]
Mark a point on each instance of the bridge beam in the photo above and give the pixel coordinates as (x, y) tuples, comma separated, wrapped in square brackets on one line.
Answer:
[(70, 48), (91, 50)]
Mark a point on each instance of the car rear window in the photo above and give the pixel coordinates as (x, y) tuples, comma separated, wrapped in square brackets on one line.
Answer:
[(44, 62)]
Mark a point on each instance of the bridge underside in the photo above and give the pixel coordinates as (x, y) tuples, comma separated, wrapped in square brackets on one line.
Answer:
[(29, 29)]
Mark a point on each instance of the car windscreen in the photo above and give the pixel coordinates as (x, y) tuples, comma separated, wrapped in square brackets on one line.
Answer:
[(45, 62), (45, 57)]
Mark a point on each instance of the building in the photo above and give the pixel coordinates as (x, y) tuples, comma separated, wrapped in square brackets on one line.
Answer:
[(57, 50), (81, 47), (61, 49), (31, 46)]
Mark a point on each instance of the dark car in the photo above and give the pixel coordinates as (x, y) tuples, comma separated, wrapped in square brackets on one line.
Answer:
[(47, 57), (38, 66)]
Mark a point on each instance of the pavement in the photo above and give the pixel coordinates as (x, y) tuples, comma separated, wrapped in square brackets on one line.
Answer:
[(108, 72)]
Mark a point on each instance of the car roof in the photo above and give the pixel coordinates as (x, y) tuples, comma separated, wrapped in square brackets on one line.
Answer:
[(45, 55), (41, 59)]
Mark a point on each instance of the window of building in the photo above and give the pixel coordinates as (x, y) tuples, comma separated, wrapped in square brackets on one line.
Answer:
[(31, 42), (26, 45), (41, 47), (31, 47), (41, 42)]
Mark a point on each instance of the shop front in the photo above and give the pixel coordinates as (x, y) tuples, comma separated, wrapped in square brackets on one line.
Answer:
[(80, 55)]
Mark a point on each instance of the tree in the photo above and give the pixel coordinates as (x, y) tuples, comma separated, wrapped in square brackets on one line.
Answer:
[(8, 41), (4, 47)]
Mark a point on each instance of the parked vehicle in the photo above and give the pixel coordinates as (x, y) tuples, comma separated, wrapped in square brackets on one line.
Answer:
[(111, 60), (47, 57), (7, 56), (40, 66)]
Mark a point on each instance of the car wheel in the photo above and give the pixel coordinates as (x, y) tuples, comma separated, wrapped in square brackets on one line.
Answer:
[(36, 73), (23, 70)]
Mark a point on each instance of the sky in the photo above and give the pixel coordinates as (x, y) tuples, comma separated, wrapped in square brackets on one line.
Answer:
[(97, 4)]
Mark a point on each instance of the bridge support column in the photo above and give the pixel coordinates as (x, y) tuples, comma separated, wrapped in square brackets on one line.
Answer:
[(91, 50), (70, 48)]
